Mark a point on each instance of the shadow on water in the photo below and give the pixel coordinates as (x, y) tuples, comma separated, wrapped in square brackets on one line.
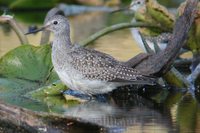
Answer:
[(127, 110)]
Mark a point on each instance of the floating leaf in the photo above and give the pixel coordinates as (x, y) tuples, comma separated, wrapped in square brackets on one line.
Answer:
[(27, 62), (51, 90), (24, 70)]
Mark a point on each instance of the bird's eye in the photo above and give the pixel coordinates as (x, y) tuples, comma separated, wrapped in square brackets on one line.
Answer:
[(55, 22), (138, 2)]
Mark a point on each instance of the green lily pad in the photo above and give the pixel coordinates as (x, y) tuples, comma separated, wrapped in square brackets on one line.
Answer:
[(26, 74), (52, 96), (28, 63), (54, 89)]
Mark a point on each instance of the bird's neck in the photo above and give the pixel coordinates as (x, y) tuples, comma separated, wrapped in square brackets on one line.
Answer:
[(60, 50), (62, 42)]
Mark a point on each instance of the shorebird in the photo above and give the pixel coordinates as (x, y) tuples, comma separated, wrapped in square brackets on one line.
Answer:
[(161, 40), (87, 70), (151, 12)]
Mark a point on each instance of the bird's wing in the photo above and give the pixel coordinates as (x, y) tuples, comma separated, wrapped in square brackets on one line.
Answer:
[(100, 66), (162, 38)]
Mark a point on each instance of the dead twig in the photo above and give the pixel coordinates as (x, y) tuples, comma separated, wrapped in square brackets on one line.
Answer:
[(15, 26)]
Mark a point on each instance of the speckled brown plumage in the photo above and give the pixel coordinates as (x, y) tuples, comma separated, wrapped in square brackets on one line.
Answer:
[(95, 65), (162, 38)]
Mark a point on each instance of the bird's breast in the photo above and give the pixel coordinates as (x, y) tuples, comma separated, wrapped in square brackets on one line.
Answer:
[(74, 79)]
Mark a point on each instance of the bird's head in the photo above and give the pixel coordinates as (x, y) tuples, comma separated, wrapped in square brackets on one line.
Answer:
[(57, 24), (136, 5)]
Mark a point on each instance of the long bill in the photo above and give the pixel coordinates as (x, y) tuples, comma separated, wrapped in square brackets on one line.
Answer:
[(35, 31), (121, 9)]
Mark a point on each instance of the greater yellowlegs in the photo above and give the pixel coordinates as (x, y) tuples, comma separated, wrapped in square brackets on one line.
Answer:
[(87, 70)]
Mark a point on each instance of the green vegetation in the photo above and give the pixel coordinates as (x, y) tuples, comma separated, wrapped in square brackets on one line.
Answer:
[(26, 77)]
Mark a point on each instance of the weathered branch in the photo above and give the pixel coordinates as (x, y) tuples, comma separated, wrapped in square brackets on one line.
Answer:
[(136, 59), (173, 77), (30, 121), (15, 26)]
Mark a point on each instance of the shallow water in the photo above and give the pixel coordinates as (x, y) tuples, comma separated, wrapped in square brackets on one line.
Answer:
[(127, 111)]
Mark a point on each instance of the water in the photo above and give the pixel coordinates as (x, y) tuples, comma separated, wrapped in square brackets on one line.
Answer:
[(145, 111)]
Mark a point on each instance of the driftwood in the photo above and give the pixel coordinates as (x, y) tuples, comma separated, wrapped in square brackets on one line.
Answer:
[(137, 59), (16, 119)]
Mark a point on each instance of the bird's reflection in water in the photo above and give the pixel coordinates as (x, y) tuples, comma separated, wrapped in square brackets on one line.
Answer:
[(123, 110)]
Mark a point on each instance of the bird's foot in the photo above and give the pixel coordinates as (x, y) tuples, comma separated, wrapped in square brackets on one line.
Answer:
[(77, 94)]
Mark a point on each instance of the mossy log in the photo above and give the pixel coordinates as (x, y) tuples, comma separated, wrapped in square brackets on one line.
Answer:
[(17, 119)]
